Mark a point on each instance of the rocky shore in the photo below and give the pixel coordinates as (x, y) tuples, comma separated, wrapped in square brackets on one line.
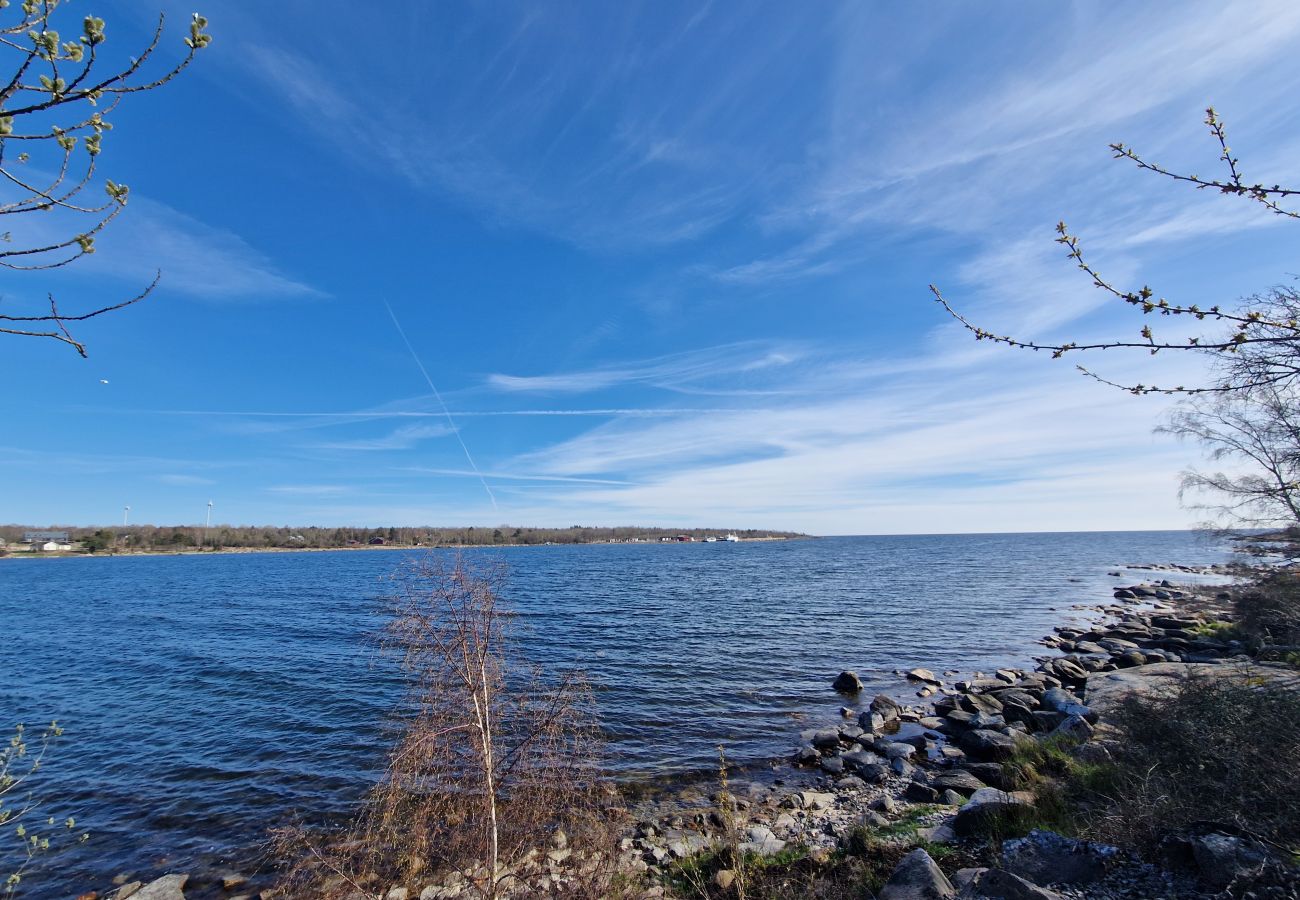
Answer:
[(935, 774), (930, 777)]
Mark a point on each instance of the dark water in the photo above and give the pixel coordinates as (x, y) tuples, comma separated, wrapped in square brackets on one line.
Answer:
[(206, 698)]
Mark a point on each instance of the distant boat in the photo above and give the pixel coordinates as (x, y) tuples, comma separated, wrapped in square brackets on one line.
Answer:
[(732, 539), (710, 540)]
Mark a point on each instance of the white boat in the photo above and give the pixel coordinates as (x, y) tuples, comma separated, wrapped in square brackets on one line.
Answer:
[(732, 539), (710, 540)]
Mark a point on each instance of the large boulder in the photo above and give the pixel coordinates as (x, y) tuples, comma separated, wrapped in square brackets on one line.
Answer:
[(917, 877), (991, 811)]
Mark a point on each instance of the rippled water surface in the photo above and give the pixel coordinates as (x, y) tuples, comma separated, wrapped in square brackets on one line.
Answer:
[(207, 697)]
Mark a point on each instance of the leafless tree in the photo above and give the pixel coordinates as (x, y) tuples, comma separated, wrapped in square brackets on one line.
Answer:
[(58, 99), (1269, 322), (494, 765), (1257, 431)]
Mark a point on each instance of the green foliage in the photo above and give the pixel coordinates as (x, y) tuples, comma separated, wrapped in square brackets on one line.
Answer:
[(24, 835)]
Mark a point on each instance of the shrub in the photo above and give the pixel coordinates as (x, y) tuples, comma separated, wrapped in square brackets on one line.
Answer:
[(1218, 747), (1269, 613), (492, 761)]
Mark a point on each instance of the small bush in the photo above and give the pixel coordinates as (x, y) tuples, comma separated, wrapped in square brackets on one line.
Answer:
[(1269, 613), (1218, 748)]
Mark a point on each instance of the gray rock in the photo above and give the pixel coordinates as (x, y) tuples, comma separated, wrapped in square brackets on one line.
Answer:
[(917, 877), (924, 675), (832, 765), (872, 722), (1045, 857), (806, 756), (857, 760), (888, 707), (885, 803), (920, 793), (1057, 699), (169, 887), (985, 744), (847, 683), (991, 810), (826, 738), (873, 819), (951, 798), (902, 767), (899, 750), (1223, 859), (997, 884), (958, 780), (990, 773), (1075, 728)]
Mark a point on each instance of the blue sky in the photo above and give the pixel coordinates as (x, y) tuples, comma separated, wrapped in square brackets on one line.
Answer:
[(663, 263)]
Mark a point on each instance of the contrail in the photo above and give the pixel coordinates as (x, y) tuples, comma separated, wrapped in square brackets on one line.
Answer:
[(445, 411)]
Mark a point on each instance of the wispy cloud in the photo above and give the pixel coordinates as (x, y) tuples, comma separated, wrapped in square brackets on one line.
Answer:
[(679, 371), (403, 438)]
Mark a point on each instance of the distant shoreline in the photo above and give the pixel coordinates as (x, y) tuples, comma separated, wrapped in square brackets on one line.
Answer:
[(226, 551)]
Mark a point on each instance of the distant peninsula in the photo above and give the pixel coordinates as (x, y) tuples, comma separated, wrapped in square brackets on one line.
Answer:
[(70, 540)]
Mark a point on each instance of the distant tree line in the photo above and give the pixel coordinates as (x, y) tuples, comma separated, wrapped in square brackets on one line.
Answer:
[(183, 537)]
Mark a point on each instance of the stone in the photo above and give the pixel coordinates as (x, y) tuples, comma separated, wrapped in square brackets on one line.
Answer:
[(901, 767), (832, 765), (990, 773), (847, 683), (1050, 858), (815, 800), (920, 793), (990, 810), (130, 889), (1056, 699), (169, 887), (937, 834), (826, 738), (875, 773), (859, 759), (887, 706), (998, 884), (806, 756), (723, 879), (850, 783), (981, 703), (985, 744), (873, 819), (885, 803), (1075, 728), (872, 722), (924, 675), (898, 750), (397, 893), (233, 881), (951, 798), (1130, 659), (1224, 858), (917, 877), (958, 780)]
